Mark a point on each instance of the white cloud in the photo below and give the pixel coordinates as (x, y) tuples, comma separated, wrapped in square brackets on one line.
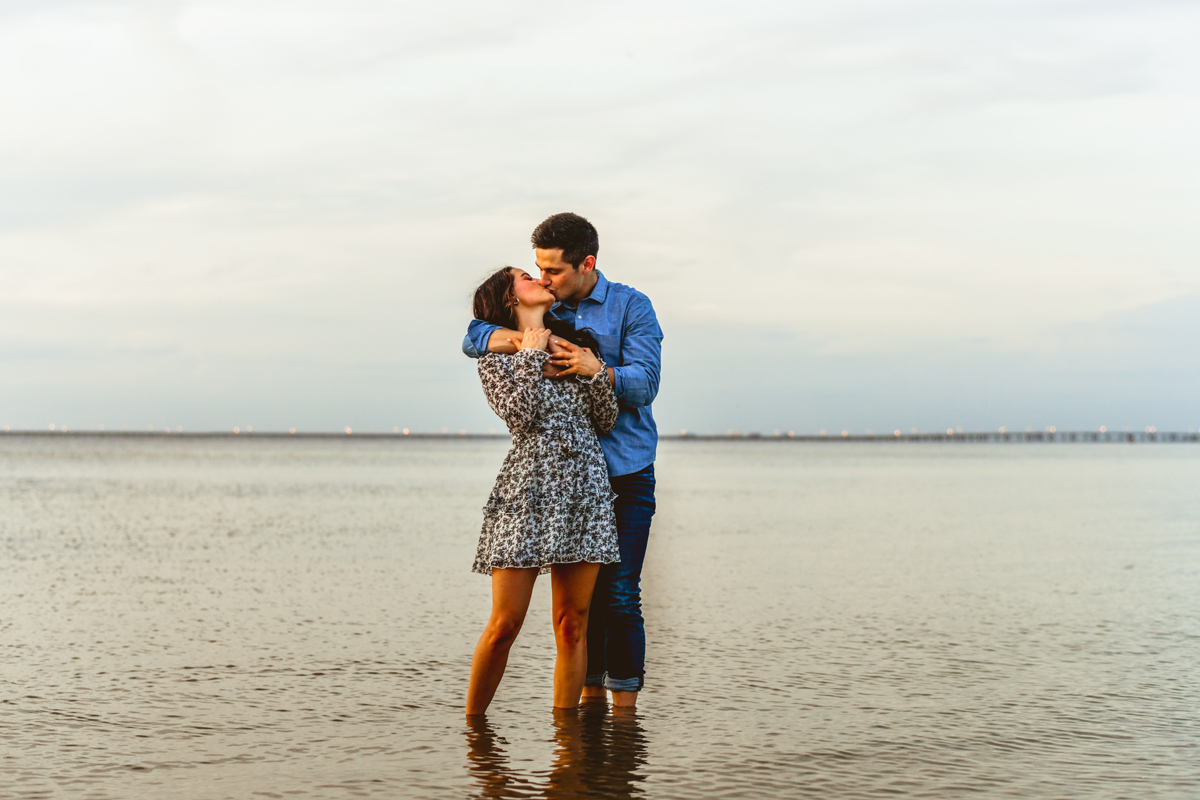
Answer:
[(272, 192)]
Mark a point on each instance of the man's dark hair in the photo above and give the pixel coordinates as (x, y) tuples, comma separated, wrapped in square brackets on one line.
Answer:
[(572, 233)]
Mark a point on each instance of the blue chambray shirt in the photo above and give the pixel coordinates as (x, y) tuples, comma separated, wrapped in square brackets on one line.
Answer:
[(623, 322)]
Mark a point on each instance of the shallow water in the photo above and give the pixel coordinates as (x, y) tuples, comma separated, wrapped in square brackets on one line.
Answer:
[(231, 618)]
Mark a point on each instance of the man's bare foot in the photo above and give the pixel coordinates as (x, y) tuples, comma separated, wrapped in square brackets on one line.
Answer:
[(625, 699), (594, 694)]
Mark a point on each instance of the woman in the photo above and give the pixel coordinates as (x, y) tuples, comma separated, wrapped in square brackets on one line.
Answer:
[(551, 508)]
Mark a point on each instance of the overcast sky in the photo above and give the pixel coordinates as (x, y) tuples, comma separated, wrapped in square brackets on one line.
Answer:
[(848, 215)]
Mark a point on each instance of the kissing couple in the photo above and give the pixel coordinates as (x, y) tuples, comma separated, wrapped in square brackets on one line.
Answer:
[(570, 361)]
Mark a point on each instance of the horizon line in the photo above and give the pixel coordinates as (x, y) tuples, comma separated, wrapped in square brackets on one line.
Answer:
[(1150, 434)]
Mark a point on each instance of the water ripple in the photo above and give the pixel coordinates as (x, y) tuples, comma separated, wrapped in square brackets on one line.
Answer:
[(190, 619)]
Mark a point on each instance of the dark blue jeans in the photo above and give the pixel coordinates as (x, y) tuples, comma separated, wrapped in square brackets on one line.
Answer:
[(616, 637)]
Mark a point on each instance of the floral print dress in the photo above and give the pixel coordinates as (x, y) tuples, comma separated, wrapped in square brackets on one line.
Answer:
[(552, 502)]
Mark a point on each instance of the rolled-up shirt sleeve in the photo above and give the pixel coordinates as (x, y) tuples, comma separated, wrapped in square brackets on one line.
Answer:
[(635, 381), (475, 343)]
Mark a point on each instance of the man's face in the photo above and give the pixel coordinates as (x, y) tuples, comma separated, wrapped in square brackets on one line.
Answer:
[(564, 281)]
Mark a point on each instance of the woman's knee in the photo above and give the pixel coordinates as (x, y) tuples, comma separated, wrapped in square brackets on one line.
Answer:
[(570, 625), (502, 631)]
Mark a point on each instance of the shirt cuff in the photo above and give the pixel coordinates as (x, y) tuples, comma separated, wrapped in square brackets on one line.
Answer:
[(618, 382)]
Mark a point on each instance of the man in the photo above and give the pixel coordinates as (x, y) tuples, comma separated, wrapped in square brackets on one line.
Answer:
[(623, 323)]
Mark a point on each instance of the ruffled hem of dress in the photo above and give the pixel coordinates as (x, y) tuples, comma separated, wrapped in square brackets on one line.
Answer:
[(544, 567)]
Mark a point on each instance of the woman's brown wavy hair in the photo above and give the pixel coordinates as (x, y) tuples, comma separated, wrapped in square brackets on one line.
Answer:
[(495, 301)]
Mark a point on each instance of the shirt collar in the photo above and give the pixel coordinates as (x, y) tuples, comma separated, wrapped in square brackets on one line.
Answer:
[(600, 290)]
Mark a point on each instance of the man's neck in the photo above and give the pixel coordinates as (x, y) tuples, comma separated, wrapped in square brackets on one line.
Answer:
[(590, 279)]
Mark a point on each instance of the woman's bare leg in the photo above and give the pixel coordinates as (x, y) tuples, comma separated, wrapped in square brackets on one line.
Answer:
[(511, 590), (572, 584)]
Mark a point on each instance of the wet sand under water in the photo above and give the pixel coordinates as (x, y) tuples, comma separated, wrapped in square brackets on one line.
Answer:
[(223, 618)]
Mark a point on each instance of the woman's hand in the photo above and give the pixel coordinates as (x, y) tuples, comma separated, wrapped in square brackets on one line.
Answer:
[(534, 339)]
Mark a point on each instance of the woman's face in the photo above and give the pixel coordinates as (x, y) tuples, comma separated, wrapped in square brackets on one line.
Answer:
[(529, 291)]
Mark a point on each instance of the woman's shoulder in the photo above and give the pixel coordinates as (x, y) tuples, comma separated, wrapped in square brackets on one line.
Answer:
[(504, 362), (489, 362), (492, 360)]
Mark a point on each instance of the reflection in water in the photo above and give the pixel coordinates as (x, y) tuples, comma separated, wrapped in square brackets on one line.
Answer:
[(598, 752), (174, 617), (488, 763)]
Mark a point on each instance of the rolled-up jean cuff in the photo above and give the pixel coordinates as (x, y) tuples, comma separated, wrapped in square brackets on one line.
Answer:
[(594, 680), (624, 684)]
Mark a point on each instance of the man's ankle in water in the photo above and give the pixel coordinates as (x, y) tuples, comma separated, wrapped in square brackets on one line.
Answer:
[(594, 694)]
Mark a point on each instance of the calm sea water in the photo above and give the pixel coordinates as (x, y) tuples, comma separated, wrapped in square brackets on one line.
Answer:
[(237, 618)]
